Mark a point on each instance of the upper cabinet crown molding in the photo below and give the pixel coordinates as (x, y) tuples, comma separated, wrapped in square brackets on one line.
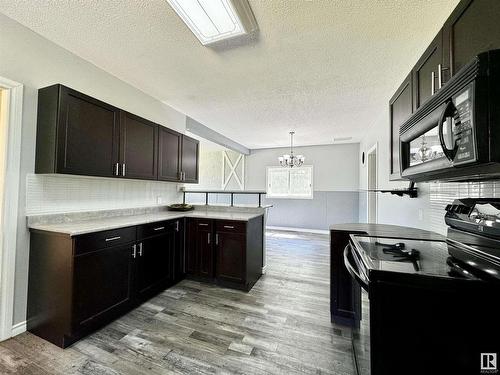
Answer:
[(80, 135)]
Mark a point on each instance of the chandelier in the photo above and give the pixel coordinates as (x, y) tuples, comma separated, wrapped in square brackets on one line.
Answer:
[(291, 160)]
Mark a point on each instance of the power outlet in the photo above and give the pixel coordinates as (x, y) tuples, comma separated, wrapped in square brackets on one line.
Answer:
[(420, 214)]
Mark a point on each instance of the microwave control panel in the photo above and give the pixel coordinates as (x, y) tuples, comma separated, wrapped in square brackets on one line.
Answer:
[(463, 130)]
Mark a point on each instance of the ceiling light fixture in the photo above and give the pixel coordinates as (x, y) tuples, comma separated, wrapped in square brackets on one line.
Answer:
[(290, 160), (215, 20)]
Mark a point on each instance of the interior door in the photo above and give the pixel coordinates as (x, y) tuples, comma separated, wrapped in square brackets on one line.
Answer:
[(231, 250), (154, 264), (102, 283), (169, 154), (138, 147), (87, 135), (189, 152)]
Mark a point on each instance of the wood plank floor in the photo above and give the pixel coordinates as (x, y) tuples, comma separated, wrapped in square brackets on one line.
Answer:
[(281, 326)]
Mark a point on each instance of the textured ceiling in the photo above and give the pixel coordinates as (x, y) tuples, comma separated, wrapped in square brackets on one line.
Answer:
[(322, 68)]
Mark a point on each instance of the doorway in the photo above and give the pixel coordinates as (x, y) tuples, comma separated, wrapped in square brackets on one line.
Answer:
[(372, 184), (11, 99)]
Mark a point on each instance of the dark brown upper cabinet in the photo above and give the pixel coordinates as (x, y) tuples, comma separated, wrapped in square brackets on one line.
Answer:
[(472, 28), (426, 73), (169, 161), (178, 157), (138, 147), (76, 134), (400, 108), (189, 159)]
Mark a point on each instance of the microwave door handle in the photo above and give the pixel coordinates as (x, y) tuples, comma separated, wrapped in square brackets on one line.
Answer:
[(448, 110)]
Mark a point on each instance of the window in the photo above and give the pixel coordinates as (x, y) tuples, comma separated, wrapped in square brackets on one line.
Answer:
[(294, 182)]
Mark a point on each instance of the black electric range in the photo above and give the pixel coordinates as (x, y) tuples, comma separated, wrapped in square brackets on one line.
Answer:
[(430, 306)]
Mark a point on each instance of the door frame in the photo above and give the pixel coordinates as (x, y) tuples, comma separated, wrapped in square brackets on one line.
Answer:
[(372, 152), (14, 91)]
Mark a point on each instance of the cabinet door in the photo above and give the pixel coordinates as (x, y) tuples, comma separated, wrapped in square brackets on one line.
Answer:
[(189, 166), (138, 147), (231, 261), (87, 141), (426, 72), (179, 268), (192, 267), (472, 28), (102, 284), (154, 264), (400, 109), (205, 250), (169, 165)]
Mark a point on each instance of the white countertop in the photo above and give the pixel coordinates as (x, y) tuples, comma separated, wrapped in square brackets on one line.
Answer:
[(76, 228)]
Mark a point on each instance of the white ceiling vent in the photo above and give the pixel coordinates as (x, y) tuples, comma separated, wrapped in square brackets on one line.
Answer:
[(215, 20)]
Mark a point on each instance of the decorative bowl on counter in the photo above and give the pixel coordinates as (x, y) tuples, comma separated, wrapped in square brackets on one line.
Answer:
[(180, 207)]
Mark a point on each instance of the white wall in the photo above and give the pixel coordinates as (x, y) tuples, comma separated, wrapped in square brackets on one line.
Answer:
[(336, 167), (335, 185), (29, 59), (392, 209)]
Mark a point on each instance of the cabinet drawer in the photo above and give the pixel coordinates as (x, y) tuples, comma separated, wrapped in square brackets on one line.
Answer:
[(231, 226), (154, 229), (203, 224), (100, 240)]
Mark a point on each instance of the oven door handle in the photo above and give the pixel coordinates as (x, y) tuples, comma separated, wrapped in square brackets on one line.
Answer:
[(448, 110), (351, 269)]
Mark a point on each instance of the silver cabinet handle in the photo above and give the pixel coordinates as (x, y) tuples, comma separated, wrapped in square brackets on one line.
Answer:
[(159, 228), (208, 238), (229, 226), (433, 83), (123, 169), (203, 224), (177, 226), (216, 238), (440, 76), (140, 249), (134, 251), (117, 169), (112, 238)]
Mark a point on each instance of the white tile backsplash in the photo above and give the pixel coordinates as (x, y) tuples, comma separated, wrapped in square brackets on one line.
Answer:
[(442, 194), (64, 193)]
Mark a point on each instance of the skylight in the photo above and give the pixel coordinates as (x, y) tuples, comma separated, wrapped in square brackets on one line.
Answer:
[(215, 20)]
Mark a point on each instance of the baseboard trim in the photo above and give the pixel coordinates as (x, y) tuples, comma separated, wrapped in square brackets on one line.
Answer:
[(18, 328), (305, 230)]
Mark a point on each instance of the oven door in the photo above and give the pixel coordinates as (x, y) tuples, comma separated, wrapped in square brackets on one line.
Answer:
[(360, 330), (440, 138)]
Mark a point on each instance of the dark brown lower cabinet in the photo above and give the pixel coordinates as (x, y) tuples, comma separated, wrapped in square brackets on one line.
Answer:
[(229, 253), (109, 272), (154, 265), (199, 248), (77, 284)]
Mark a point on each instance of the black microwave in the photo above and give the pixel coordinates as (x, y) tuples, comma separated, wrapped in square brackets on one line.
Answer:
[(455, 134)]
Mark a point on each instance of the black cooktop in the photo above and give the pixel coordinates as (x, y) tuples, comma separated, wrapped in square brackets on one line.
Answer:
[(427, 258)]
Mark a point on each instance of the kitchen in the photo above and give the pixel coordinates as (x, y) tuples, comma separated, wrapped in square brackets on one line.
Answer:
[(294, 185)]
